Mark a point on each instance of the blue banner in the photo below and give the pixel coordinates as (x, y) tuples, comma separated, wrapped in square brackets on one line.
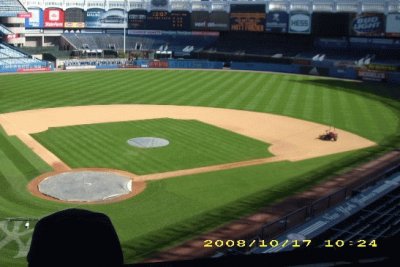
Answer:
[(277, 21), (36, 18)]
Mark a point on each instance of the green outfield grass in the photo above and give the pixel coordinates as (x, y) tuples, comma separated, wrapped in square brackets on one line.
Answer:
[(172, 210), (192, 144)]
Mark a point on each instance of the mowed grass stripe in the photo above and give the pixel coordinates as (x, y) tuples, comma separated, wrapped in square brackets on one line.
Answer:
[(203, 90), (58, 89), (138, 159), (294, 96), (263, 104), (222, 135), (237, 101), (191, 139), (63, 143), (189, 89), (232, 86), (92, 138), (149, 162), (11, 173), (171, 90), (259, 86), (169, 85), (278, 96), (256, 101), (306, 106), (192, 144), (237, 89), (15, 156), (33, 158), (194, 139), (147, 89), (98, 139), (375, 120), (328, 106)]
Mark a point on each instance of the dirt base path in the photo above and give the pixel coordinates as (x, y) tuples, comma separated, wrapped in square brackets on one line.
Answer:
[(291, 139)]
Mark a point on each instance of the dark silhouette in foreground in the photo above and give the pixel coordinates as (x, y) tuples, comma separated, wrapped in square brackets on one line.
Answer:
[(75, 237)]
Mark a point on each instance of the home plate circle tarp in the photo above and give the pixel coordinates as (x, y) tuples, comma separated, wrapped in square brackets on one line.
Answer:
[(86, 186), (148, 142)]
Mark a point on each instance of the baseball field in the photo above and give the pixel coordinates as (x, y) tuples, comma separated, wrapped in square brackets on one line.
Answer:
[(238, 141)]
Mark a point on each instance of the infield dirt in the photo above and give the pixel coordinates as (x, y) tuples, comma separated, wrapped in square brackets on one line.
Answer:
[(291, 139)]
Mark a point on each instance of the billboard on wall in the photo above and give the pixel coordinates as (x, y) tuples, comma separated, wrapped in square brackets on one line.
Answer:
[(330, 24), (99, 18), (36, 19), (368, 24), (247, 17), (277, 21), (137, 19), (74, 18), (113, 18), (300, 23), (93, 15), (168, 21), (53, 18), (214, 21), (393, 25), (370, 75)]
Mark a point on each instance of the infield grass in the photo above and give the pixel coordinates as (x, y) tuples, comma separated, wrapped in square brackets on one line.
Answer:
[(192, 144), (172, 210)]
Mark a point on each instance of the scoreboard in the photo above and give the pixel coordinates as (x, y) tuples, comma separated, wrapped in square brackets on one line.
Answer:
[(250, 18), (159, 20)]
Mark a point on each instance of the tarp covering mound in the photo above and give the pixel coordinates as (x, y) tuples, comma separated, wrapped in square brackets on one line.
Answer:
[(87, 186)]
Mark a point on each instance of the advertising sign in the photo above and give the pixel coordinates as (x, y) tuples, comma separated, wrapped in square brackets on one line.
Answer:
[(369, 75), (93, 16), (214, 21), (34, 69), (199, 20), (300, 23), (74, 18), (247, 17), (137, 19), (113, 18), (277, 21), (393, 25), (36, 19), (53, 18), (99, 18), (24, 15), (368, 24), (12, 36)]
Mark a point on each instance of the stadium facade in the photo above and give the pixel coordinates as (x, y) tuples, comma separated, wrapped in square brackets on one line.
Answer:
[(48, 19)]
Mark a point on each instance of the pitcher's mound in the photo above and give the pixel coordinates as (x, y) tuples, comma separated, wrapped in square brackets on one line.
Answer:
[(87, 186), (148, 142)]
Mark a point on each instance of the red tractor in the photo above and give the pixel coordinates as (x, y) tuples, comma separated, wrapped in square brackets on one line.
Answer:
[(329, 135)]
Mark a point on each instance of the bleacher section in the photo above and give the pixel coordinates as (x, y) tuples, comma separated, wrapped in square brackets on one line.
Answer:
[(378, 220), (176, 43), (262, 44), (14, 60), (372, 213), (304, 47), (11, 8), (4, 30)]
